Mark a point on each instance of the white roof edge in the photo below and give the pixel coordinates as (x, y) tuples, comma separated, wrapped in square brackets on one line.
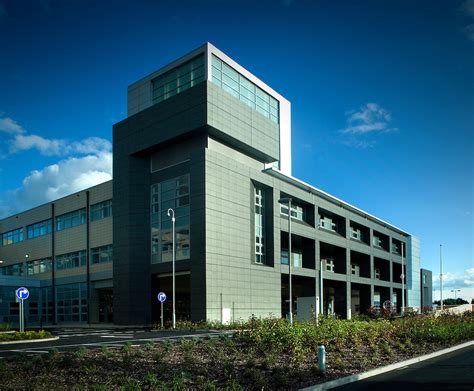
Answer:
[(278, 173)]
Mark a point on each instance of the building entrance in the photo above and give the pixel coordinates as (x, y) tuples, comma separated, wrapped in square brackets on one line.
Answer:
[(106, 309)]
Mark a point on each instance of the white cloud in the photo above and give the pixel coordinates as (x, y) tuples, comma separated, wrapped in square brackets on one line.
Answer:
[(85, 163), (369, 118), (58, 180), (456, 280), (58, 147), (8, 125)]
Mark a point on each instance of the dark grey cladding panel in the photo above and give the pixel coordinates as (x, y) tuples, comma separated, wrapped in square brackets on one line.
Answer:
[(204, 108), (177, 116)]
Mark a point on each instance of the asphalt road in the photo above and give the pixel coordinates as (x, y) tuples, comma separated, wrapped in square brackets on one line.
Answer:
[(74, 339), (452, 371)]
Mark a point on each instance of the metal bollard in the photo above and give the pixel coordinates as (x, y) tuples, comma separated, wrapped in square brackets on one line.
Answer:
[(322, 358)]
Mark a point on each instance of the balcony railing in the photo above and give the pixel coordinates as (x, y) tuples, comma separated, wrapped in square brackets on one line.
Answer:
[(327, 224), (395, 249)]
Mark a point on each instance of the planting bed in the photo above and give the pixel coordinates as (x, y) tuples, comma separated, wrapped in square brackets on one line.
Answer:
[(267, 354)]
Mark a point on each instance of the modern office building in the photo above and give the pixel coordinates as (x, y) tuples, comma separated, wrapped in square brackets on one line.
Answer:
[(210, 140)]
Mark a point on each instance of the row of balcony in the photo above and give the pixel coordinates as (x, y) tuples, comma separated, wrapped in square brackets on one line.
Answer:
[(331, 222), (334, 260)]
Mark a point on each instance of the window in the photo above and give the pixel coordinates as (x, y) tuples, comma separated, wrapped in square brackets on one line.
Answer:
[(377, 274), (297, 211), (296, 256), (13, 270), (173, 193), (71, 219), (101, 254), (101, 210), (71, 302), (376, 242), (329, 265), (356, 234), (355, 269), (377, 299), (424, 279), (71, 260), (395, 249), (243, 89), (12, 237), (39, 266), (259, 202), (178, 79), (39, 229)]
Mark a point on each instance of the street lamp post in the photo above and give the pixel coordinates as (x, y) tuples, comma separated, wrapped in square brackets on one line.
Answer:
[(287, 200), (173, 220), (441, 277), (455, 292), (403, 283)]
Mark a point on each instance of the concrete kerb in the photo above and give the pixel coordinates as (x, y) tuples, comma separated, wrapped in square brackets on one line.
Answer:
[(374, 372), (29, 341)]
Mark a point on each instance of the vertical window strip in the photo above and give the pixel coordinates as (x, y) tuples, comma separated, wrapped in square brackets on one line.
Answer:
[(173, 193), (259, 196)]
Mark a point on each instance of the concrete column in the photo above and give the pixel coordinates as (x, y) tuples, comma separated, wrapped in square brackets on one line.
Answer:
[(372, 294), (391, 272), (348, 263), (372, 273)]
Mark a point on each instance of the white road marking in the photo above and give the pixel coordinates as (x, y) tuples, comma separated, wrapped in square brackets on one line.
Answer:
[(115, 336)]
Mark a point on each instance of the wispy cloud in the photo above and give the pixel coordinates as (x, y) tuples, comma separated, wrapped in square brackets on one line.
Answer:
[(369, 118), (456, 280), (361, 124), (58, 147), (84, 163), (20, 140), (8, 125), (468, 9)]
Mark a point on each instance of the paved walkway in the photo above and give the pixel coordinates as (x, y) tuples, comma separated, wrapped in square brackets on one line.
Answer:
[(452, 371)]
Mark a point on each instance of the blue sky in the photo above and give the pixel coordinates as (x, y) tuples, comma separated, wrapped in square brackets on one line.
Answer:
[(381, 92)]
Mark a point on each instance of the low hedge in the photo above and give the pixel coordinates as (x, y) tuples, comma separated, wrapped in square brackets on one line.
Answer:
[(17, 336)]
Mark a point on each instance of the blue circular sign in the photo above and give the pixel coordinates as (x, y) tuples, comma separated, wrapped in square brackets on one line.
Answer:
[(161, 297), (22, 293)]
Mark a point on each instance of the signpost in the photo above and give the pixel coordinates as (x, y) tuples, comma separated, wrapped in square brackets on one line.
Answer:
[(161, 298), (22, 294)]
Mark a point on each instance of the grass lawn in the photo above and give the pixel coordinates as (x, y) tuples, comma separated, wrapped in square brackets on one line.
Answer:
[(267, 354)]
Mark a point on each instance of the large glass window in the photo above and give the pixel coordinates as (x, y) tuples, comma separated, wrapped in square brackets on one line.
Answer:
[(259, 197), (39, 229), (71, 260), (71, 219), (38, 266), (13, 270), (101, 210), (297, 257), (178, 79), (101, 254), (243, 89), (71, 302), (11, 237), (173, 193)]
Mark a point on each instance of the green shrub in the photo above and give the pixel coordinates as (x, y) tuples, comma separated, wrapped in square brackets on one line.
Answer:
[(17, 336)]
